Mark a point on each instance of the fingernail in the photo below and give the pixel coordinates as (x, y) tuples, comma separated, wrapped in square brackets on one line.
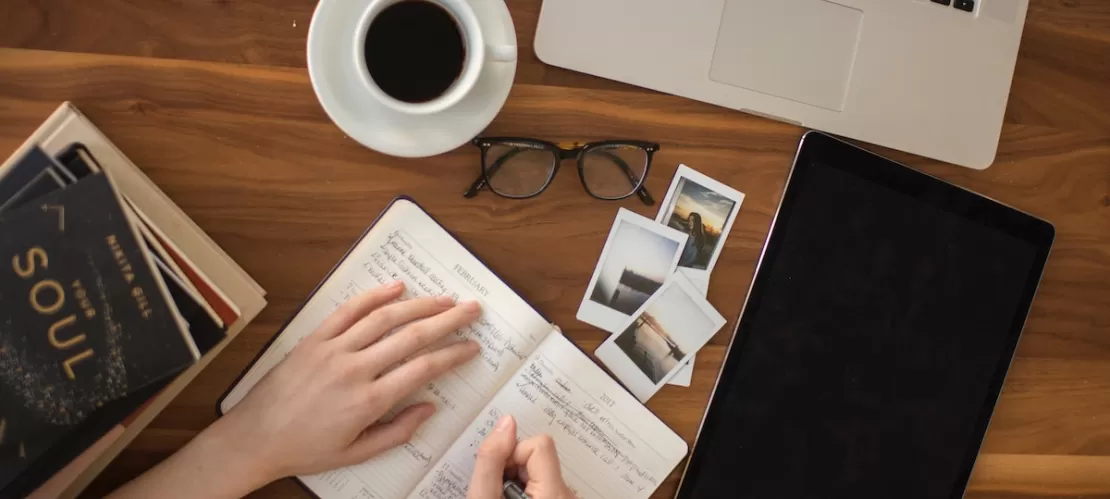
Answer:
[(504, 423), (446, 301), (395, 285), (470, 306)]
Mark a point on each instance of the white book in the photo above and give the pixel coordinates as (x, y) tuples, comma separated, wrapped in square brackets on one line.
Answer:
[(609, 444)]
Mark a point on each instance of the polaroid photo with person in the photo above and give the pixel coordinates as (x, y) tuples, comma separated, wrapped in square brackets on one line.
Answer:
[(704, 209), (660, 337), (638, 257)]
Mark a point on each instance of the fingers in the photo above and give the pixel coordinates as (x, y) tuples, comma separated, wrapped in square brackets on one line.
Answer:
[(419, 335), (356, 308), (493, 455), (382, 437), (385, 319), (417, 372), (537, 456)]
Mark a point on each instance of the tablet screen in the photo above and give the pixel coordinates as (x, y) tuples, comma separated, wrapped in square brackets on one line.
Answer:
[(881, 322)]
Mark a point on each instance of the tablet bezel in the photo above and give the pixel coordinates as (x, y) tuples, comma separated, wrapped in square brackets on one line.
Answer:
[(835, 153)]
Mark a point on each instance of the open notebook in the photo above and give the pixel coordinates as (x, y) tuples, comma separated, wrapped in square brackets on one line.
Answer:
[(609, 444)]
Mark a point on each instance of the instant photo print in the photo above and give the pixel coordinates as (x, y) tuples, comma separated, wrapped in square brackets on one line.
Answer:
[(660, 337), (637, 259), (704, 209)]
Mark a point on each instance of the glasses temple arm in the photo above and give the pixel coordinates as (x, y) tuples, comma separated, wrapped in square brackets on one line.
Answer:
[(476, 186)]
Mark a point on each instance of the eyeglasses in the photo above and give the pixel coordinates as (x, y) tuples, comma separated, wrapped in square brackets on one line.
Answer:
[(521, 168)]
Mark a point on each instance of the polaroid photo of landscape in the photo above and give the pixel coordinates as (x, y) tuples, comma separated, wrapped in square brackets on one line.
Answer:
[(700, 281), (638, 257), (685, 374), (704, 209), (656, 342)]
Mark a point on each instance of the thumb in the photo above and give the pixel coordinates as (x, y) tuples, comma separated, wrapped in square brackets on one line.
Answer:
[(493, 454)]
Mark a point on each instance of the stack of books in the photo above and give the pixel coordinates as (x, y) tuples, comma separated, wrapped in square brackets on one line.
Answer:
[(111, 301)]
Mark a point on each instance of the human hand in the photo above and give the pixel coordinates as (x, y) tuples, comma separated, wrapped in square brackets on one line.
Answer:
[(533, 461), (321, 407)]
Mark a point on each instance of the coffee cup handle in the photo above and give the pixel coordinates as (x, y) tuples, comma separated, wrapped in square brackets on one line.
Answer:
[(501, 53)]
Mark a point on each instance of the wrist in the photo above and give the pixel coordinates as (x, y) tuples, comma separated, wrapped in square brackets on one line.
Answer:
[(228, 453), (214, 464)]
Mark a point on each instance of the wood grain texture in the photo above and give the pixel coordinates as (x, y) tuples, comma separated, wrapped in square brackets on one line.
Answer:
[(211, 99)]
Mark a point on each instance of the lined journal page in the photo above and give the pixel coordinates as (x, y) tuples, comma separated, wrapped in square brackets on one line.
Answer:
[(609, 445), (407, 244)]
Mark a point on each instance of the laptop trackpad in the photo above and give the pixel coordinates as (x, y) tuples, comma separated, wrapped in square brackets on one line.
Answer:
[(800, 50)]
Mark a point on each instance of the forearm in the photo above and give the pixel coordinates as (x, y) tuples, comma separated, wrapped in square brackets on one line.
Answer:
[(207, 467)]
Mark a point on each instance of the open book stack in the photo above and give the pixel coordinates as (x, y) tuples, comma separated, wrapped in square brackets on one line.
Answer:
[(111, 301), (610, 445)]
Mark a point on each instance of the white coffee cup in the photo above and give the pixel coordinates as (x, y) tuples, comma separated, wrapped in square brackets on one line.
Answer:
[(477, 54)]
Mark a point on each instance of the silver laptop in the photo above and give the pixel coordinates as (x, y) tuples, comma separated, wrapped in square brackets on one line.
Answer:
[(930, 77)]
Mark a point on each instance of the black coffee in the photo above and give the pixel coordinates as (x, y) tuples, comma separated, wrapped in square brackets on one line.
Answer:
[(414, 51)]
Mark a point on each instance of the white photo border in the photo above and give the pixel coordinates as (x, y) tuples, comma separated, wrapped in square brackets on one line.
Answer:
[(685, 172), (626, 371), (600, 315)]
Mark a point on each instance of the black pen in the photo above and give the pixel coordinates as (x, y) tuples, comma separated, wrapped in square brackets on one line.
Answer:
[(513, 490)]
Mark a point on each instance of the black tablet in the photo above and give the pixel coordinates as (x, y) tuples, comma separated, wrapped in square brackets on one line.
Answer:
[(876, 335)]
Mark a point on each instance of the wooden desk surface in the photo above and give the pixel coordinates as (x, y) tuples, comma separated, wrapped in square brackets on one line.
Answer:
[(212, 100)]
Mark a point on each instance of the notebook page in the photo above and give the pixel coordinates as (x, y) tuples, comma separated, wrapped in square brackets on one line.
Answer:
[(407, 244), (609, 445)]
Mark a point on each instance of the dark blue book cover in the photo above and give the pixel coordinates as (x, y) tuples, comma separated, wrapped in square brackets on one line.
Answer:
[(46, 182), (68, 442), (25, 172), (76, 162), (84, 318)]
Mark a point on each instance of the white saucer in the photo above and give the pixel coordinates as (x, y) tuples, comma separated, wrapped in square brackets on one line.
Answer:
[(340, 89)]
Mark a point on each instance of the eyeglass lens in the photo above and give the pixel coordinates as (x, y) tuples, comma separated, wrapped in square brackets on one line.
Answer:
[(518, 170), (613, 171)]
